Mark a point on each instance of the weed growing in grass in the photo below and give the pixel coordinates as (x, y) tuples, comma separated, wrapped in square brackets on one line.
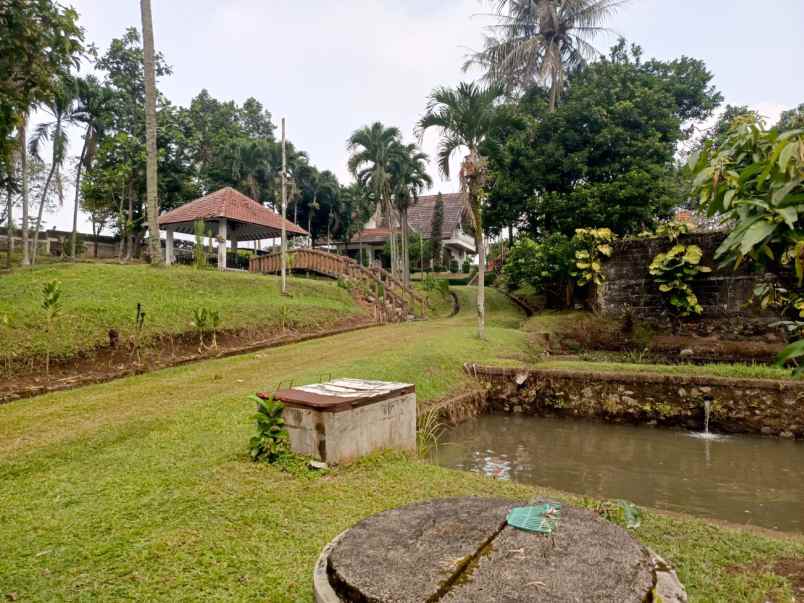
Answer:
[(51, 304), (272, 441), (428, 431), (5, 321)]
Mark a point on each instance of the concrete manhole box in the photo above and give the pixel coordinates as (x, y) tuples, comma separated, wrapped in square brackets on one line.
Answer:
[(344, 419)]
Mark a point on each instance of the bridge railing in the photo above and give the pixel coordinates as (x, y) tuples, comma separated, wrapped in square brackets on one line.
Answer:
[(332, 265)]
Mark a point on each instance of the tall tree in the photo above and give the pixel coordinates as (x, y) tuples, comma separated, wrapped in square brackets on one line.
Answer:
[(606, 156), (372, 149), (90, 112), (464, 116), (40, 42), (435, 233), (408, 179), (61, 109), (538, 41), (150, 131)]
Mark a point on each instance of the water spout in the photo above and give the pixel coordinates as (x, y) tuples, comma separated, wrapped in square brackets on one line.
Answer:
[(707, 410)]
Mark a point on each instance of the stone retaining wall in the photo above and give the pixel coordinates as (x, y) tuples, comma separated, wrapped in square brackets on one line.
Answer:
[(759, 406), (628, 280)]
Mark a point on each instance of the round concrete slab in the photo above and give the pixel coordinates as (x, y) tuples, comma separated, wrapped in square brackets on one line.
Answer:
[(461, 549)]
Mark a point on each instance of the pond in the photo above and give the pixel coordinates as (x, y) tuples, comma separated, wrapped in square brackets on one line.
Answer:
[(742, 479)]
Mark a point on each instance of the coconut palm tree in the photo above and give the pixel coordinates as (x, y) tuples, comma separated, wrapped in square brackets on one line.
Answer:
[(61, 107), (464, 116), (409, 178), (539, 40), (372, 149), (90, 111), (150, 132)]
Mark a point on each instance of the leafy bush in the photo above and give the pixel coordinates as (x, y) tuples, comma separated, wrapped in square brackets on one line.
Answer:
[(453, 266), (755, 179), (673, 271), (545, 266), (592, 246), (271, 442), (466, 267), (432, 284)]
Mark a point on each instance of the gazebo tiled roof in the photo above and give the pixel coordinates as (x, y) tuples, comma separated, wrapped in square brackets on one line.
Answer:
[(248, 219)]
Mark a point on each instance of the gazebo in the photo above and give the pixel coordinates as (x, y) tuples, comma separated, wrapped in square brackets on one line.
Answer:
[(231, 216)]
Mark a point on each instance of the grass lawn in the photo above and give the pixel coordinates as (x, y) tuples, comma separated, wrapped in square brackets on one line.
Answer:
[(97, 297), (141, 488)]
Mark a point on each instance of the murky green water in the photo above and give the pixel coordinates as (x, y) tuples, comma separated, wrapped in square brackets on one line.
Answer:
[(747, 480)]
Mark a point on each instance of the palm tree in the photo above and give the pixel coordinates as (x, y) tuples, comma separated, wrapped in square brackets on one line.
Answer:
[(372, 148), (90, 111), (409, 179), (150, 131), (61, 108), (464, 116), (539, 40)]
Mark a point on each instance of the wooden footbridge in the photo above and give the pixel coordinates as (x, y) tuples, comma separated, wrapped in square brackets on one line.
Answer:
[(393, 300)]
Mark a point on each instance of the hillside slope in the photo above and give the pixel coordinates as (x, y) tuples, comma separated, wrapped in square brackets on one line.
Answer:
[(100, 297)]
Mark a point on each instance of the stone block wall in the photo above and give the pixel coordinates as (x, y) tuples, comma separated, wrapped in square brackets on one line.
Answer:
[(628, 280), (758, 406)]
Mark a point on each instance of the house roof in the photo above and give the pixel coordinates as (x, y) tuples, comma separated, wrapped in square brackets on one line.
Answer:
[(420, 214), (372, 235), (420, 218), (250, 220)]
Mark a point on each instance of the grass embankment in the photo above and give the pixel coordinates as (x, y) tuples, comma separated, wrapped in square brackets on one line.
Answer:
[(584, 329), (97, 297), (142, 489)]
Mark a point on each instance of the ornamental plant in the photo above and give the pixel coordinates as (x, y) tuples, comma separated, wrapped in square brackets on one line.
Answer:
[(673, 271), (593, 246), (271, 442), (754, 178)]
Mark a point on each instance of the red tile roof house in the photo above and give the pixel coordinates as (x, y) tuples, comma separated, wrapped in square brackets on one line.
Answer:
[(456, 241), (231, 216)]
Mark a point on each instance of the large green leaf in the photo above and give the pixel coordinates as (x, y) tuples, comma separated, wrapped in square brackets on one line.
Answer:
[(757, 233), (790, 216), (794, 350)]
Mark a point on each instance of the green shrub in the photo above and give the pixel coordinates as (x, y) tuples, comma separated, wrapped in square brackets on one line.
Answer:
[(466, 267), (453, 266), (271, 442), (673, 271), (592, 247)]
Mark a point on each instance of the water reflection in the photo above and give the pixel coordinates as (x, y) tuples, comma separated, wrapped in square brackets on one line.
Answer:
[(741, 479)]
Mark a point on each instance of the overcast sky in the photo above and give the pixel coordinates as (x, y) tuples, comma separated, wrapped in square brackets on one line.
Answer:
[(333, 66)]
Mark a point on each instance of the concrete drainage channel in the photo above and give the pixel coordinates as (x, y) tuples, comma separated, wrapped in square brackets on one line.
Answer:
[(462, 549)]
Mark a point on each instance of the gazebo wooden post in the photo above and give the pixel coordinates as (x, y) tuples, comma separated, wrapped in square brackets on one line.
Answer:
[(222, 244), (169, 256)]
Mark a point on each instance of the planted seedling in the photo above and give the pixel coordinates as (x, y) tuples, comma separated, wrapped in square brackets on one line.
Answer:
[(51, 304)]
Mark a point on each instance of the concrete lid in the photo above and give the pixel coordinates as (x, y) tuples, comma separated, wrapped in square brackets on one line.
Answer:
[(340, 394), (461, 549)]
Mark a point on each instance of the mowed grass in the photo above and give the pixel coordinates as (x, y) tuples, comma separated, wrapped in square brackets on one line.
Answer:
[(97, 297), (142, 489)]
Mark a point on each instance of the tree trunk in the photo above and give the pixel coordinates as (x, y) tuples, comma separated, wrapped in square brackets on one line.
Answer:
[(284, 235), (405, 250), (481, 281), (74, 238), (22, 134), (130, 223), (150, 132), (10, 249), (34, 251)]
